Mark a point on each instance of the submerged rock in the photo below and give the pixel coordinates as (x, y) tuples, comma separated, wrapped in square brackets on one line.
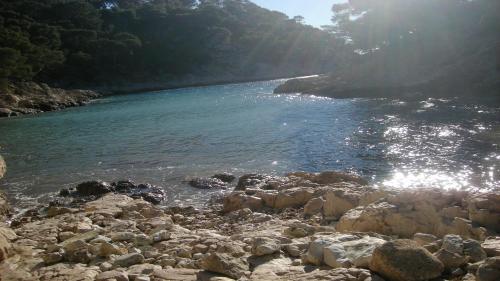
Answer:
[(88, 191), (225, 177), (208, 183)]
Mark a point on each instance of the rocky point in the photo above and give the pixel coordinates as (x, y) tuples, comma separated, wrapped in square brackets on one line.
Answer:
[(302, 226)]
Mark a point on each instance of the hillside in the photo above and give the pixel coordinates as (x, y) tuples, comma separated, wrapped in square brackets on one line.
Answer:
[(125, 43), (413, 49)]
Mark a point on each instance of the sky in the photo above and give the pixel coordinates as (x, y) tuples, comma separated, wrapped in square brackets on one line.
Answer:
[(315, 12)]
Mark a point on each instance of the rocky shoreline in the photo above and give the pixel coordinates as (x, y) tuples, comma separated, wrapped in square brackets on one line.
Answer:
[(303, 226), (31, 98)]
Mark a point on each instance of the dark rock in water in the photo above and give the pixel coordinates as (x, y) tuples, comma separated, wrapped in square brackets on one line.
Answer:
[(123, 186), (225, 177), (207, 183), (94, 188), (152, 194), (250, 180), (148, 192), (144, 186), (64, 192)]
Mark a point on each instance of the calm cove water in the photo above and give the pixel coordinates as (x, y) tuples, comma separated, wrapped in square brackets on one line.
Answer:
[(165, 137)]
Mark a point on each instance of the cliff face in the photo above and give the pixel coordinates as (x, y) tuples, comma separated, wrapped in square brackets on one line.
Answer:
[(30, 98)]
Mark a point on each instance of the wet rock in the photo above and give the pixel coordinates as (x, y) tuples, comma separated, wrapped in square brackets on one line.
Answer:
[(93, 188), (404, 260), (207, 183), (225, 177), (265, 246), (492, 246), (250, 180), (124, 186), (128, 260), (225, 264), (489, 270), (148, 192)]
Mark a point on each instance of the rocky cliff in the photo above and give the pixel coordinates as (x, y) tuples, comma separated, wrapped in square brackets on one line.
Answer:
[(326, 226), (30, 98)]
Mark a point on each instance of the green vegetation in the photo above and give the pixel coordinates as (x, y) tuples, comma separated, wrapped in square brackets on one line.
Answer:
[(97, 42), (440, 44)]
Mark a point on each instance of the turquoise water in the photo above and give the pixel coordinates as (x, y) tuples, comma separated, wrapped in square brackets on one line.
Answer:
[(165, 137)]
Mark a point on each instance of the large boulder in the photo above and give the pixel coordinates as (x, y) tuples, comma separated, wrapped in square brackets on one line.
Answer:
[(294, 197), (93, 188), (404, 260), (339, 201), (410, 212), (342, 250)]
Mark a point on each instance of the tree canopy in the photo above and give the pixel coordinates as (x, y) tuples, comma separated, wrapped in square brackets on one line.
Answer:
[(412, 40), (93, 42)]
